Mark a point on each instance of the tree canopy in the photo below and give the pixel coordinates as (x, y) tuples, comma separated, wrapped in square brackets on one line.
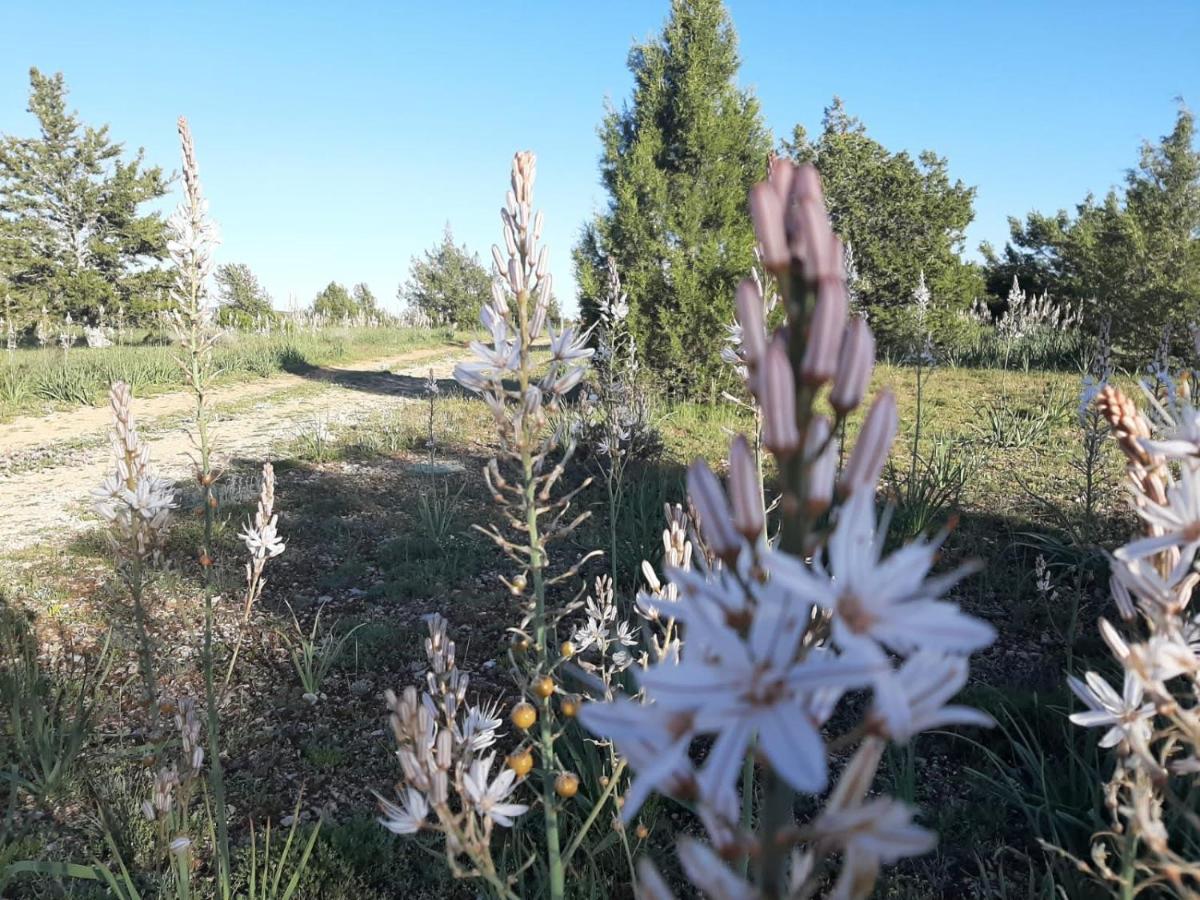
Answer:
[(243, 300), (904, 218), (448, 283), (1136, 253), (71, 234), (678, 161)]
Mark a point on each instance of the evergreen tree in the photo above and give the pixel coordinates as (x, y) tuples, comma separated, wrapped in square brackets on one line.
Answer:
[(1137, 253), (334, 302), (905, 218), (243, 300), (677, 163), (448, 283), (364, 300), (71, 235)]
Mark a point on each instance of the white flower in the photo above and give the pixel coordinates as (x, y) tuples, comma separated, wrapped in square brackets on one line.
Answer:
[(921, 688), (708, 872), (1173, 524), (655, 746), (888, 603), (566, 346), (869, 835), (406, 817), (479, 727), (736, 688), (488, 798), (1125, 713), (265, 541)]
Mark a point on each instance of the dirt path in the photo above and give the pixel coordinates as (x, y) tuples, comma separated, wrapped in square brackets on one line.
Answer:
[(50, 499)]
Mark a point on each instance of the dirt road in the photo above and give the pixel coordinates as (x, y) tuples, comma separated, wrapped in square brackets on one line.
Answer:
[(50, 464)]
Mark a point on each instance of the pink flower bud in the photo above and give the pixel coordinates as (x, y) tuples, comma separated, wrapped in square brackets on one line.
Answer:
[(855, 363), (871, 449), (745, 490), (778, 400), (516, 275), (713, 510), (498, 259), (822, 466), (766, 211), (781, 174), (750, 317), (824, 337)]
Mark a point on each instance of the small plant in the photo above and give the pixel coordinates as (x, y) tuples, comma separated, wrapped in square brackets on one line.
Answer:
[(49, 714), (266, 879), (437, 509), (314, 652), (1010, 426)]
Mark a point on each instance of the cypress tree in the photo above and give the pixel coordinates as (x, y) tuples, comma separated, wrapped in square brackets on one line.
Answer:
[(677, 162)]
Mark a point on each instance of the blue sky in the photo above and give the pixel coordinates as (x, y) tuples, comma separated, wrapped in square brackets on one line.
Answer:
[(335, 140)]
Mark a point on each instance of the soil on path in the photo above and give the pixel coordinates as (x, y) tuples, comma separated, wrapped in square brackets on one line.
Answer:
[(55, 461)]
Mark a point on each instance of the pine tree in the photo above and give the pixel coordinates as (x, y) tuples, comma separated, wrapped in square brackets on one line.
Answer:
[(1136, 254), (448, 283), (364, 300), (334, 302), (677, 163), (905, 218), (71, 235), (244, 302)]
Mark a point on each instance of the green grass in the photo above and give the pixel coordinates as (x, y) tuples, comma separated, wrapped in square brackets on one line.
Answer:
[(32, 379)]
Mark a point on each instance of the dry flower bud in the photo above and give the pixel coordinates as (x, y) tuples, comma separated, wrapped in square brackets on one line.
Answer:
[(855, 363)]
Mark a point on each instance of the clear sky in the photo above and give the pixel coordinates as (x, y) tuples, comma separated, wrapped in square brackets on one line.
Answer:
[(335, 140)]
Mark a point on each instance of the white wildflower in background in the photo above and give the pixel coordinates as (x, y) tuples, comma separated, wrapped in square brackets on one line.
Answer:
[(133, 500), (1152, 723)]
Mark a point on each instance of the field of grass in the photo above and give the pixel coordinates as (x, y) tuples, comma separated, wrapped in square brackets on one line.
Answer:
[(998, 455), (32, 379)]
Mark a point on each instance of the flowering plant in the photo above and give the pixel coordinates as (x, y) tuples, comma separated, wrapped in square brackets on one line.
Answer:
[(781, 625)]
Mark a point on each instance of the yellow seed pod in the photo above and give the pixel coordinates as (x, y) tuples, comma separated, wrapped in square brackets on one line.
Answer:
[(520, 643), (523, 715), (567, 649), (543, 686), (642, 832), (569, 705), (520, 762), (566, 785)]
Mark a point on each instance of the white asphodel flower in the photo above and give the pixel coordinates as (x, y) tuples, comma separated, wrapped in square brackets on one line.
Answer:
[(882, 603), (736, 688), (1125, 714), (925, 682), (479, 728), (870, 834), (1173, 524), (655, 746), (265, 541), (488, 797), (406, 817)]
